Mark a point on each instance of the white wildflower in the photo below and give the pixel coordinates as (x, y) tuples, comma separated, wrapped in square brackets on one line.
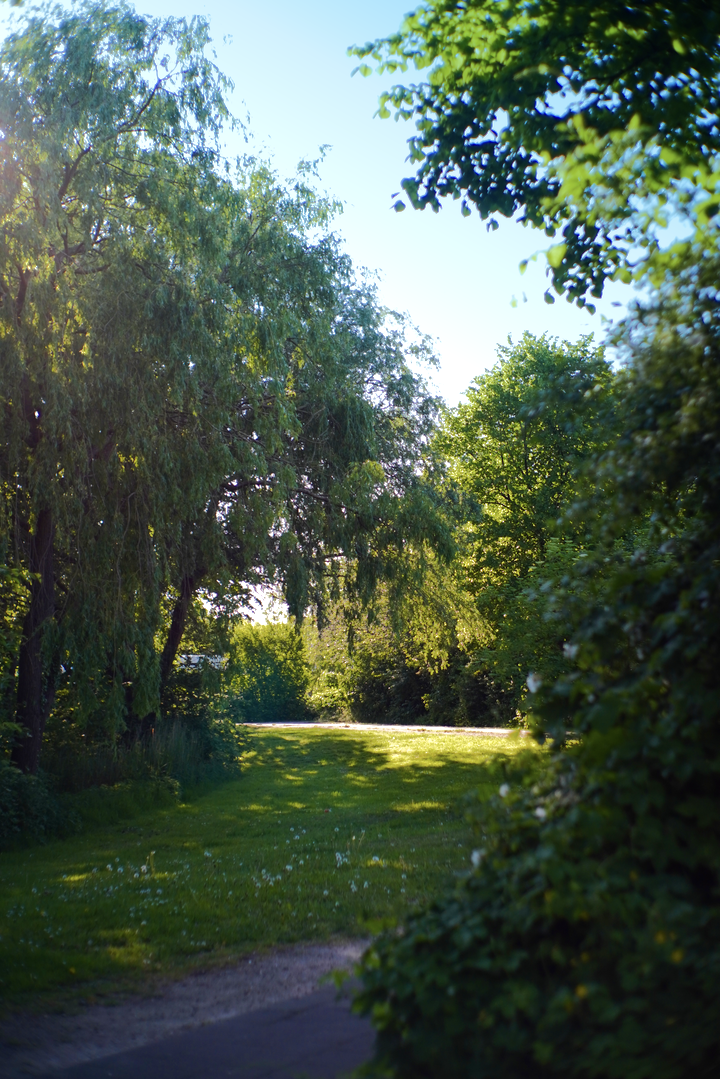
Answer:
[(541, 813), (534, 681), (504, 790)]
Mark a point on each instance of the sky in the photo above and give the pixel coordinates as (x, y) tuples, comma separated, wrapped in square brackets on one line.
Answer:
[(293, 77)]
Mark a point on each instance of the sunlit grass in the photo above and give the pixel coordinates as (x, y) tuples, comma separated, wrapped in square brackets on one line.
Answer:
[(326, 832)]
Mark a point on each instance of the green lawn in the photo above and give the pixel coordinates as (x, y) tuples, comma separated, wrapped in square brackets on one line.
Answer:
[(326, 832)]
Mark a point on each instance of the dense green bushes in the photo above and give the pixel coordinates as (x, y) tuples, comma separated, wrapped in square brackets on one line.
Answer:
[(402, 675), (585, 940), (28, 808), (91, 784), (268, 674)]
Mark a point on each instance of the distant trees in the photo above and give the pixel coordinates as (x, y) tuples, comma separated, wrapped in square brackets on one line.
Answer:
[(516, 449), (197, 393), (458, 648)]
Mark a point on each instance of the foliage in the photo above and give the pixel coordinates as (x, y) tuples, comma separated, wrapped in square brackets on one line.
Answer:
[(408, 664), (221, 862), (268, 673), (199, 393), (28, 807), (86, 784), (516, 448), (194, 749), (556, 111), (587, 939)]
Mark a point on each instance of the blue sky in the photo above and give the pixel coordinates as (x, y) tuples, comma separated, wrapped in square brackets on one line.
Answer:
[(457, 281)]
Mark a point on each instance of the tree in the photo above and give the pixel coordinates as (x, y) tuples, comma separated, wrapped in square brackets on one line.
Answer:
[(516, 448), (96, 295), (595, 124), (197, 392)]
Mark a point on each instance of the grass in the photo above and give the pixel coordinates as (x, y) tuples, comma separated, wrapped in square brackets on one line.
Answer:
[(326, 832)]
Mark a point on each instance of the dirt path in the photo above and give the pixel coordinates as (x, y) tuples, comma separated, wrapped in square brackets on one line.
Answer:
[(37, 1044)]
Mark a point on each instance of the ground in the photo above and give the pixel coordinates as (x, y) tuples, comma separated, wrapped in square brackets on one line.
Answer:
[(327, 834)]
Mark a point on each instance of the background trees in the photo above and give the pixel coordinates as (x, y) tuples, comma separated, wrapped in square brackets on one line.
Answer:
[(459, 647), (198, 394), (516, 449)]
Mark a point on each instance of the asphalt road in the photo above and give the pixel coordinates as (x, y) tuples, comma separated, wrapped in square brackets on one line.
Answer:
[(315, 1037)]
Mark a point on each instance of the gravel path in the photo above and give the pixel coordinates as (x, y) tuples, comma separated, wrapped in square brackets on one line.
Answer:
[(38, 1044)]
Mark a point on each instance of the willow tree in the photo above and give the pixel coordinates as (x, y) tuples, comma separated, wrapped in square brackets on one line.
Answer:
[(190, 395)]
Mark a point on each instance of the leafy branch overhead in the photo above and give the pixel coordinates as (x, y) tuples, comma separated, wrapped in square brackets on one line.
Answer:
[(596, 123)]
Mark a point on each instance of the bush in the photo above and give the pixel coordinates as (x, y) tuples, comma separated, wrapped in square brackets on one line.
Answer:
[(188, 751), (28, 807), (86, 784), (417, 672), (585, 939), (268, 674)]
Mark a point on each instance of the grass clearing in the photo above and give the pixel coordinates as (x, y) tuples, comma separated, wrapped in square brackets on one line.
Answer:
[(326, 832)]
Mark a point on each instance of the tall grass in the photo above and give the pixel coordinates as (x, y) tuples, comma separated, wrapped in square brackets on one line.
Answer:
[(84, 785), (190, 756)]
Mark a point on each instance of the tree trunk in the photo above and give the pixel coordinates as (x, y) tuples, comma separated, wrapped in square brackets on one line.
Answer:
[(35, 691), (177, 627)]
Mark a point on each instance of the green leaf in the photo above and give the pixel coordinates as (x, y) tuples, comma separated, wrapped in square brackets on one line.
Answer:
[(556, 254)]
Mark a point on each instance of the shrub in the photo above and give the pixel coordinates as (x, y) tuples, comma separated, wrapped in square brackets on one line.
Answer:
[(412, 665), (28, 807), (585, 939), (268, 674), (185, 751)]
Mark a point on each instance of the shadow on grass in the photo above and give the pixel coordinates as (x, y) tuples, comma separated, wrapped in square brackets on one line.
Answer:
[(323, 770), (323, 833)]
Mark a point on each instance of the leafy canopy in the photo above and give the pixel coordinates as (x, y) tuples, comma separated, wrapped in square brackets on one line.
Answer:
[(198, 391), (597, 123), (517, 448)]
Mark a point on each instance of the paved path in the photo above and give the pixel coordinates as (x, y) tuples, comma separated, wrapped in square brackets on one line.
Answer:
[(315, 1037)]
